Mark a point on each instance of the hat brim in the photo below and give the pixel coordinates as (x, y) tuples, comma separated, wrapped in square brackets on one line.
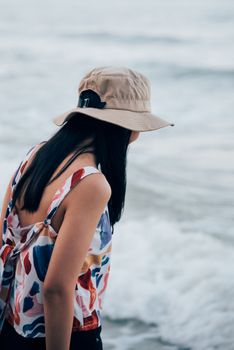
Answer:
[(137, 121)]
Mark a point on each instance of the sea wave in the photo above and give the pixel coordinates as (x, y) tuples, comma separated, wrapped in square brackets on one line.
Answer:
[(182, 282)]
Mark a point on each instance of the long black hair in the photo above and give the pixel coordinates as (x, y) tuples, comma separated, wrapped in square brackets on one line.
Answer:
[(109, 143)]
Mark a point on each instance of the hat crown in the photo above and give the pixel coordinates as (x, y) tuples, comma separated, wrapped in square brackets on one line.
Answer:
[(119, 87)]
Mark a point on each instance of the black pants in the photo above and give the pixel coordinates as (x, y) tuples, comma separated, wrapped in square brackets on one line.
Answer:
[(83, 340)]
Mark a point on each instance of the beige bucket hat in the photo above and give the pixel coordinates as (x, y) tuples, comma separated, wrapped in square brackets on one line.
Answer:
[(117, 95)]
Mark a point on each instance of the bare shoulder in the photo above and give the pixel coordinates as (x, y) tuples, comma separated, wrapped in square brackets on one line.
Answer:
[(93, 188)]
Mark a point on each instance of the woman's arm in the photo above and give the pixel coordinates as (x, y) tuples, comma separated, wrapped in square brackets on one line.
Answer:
[(85, 205)]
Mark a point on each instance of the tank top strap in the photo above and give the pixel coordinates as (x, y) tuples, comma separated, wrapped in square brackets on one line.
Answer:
[(67, 186), (16, 178), (22, 165)]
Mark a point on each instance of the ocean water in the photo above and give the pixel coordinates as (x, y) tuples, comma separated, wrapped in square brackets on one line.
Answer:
[(171, 283)]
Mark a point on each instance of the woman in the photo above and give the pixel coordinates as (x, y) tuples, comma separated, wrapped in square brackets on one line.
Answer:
[(57, 222)]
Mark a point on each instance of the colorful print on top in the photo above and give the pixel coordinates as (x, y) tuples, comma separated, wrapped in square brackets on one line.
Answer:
[(25, 256)]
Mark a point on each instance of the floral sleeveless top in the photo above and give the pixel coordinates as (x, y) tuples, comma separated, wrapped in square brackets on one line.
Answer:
[(24, 259)]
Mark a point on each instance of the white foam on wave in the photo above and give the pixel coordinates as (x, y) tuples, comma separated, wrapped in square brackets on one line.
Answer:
[(182, 282)]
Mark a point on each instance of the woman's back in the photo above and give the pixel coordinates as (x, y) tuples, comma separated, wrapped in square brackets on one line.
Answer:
[(27, 218)]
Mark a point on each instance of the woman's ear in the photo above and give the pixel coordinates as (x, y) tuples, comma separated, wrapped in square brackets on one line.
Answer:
[(134, 136)]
